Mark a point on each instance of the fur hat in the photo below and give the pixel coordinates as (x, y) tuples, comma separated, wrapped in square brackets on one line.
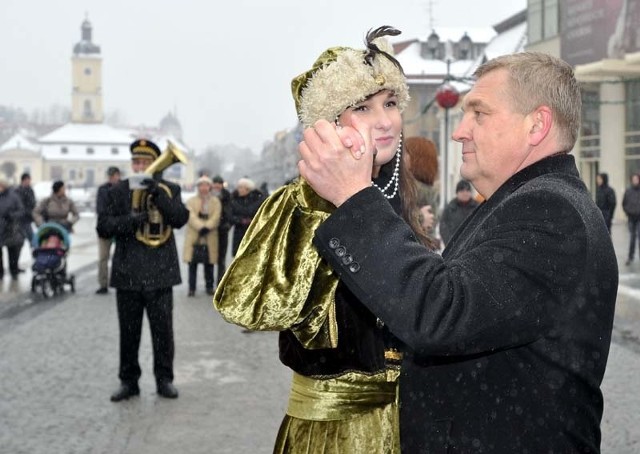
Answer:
[(342, 77)]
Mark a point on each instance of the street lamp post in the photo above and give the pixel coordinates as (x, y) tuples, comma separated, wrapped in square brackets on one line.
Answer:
[(447, 97)]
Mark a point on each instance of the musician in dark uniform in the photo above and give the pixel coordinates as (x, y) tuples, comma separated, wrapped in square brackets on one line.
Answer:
[(144, 268)]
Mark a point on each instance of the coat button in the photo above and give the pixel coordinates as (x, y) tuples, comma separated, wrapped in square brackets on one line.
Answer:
[(334, 243), (347, 259), (341, 251), (354, 267)]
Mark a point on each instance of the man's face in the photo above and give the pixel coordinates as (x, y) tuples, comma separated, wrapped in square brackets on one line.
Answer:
[(217, 187), (114, 178), (139, 165), (463, 196), (26, 182), (494, 137)]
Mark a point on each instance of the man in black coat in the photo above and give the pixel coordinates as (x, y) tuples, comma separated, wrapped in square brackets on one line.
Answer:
[(104, 244), (508, 332), (605, 199), (631, 207), (457, 210), (28, 199), (144, 271), (218, 189)]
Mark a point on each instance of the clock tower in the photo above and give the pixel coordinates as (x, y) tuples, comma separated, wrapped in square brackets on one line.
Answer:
[(86, 64)]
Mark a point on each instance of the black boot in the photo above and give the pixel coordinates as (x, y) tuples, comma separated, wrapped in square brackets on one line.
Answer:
[(166, 389), (125, 391)]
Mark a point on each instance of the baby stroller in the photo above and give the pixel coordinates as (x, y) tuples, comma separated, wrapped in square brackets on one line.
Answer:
[(50, 246)]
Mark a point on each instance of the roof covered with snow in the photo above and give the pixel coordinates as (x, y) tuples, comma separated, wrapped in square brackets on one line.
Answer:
[(19, 142), (510, 41), (87, 133)]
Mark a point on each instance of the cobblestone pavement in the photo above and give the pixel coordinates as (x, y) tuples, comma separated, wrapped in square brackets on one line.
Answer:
[(59, 365)]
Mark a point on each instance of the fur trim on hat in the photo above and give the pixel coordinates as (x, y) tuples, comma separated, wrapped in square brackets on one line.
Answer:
[(203, 180), (348, 80)]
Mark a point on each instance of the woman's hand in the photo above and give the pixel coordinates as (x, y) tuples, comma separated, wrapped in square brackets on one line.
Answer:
[(335, 170)]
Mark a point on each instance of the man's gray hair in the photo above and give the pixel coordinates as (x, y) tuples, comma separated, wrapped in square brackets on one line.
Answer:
[(538, 79)]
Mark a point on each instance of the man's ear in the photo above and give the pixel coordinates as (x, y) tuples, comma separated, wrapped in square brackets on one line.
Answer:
[(542, 120)]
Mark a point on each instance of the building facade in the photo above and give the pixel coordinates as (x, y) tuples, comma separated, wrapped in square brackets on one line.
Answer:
[(601, 40)]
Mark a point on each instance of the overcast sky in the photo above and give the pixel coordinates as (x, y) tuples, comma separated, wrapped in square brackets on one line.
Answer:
[(225, 67)]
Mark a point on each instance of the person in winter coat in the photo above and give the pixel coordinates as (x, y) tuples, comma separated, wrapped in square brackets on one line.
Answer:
[(11, 232), (245, 201), (28, 199), (422, 161), (57, 208), (218, 189), (507, 333), (202, 233), (345, 362), (104, 244), (605, 198), (457, 210), (631, 207), (144, 270)]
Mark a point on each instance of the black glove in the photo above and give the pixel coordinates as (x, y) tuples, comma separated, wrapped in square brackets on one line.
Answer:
[(152, 186), (137, 219), (204, 231)]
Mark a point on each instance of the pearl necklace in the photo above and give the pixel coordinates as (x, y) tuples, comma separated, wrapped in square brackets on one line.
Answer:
[(395, 177)]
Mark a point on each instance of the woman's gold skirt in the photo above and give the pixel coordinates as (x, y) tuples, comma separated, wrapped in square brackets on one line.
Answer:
[(351, 414)]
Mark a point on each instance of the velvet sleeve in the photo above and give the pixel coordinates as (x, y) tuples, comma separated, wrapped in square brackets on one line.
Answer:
[(277, 280)]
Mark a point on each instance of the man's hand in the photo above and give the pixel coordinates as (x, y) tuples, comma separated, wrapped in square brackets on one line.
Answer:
[(427, 218), (332, 168), (137, 219)]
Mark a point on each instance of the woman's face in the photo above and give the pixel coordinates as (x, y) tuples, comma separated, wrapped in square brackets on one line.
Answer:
[(243, 191), (381, 113), (203, 189)]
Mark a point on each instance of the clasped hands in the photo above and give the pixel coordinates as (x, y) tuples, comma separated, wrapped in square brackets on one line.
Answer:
[(337, 160)]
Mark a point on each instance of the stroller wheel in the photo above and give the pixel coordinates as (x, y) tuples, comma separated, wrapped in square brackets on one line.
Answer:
[(47, 288), (33, 284), (72, 283)]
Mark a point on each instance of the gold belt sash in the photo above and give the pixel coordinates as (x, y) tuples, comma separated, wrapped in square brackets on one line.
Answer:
[(342, 397)]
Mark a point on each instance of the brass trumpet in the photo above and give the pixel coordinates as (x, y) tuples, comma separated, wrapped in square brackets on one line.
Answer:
[(154, 232)]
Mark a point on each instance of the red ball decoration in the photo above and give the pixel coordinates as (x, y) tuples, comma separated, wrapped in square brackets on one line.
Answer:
[(447, 96)]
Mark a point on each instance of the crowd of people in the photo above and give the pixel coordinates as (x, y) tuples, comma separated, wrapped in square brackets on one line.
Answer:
[(481, 327)]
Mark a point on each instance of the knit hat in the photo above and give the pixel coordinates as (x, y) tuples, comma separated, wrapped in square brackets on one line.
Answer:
[(463, 185), (203, 180), (342, 77)]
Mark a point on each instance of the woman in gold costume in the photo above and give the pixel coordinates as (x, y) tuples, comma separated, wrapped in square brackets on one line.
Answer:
[(345, 362)]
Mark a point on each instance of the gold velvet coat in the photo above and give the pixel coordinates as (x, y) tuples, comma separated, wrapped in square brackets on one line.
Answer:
[(267, 288)]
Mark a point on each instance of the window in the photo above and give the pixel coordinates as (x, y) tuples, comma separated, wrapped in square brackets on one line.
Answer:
[(550, 17), (632, 114), (64, 150), (632, 123), (90, 150), (114, 150), (87, 112), (87, 71), (72, 174), (542, 19), (590, 125)]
